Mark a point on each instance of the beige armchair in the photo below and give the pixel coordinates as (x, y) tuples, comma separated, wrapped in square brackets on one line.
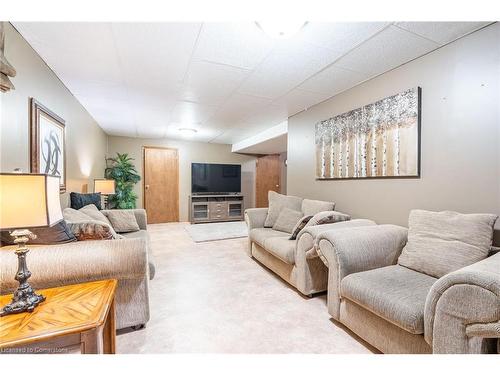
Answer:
[(399, 310)]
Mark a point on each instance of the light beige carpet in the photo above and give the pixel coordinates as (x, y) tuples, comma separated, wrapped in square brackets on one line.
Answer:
[(211, 297)]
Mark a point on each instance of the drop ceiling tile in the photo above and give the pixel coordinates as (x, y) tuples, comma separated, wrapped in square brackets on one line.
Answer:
[(241, 45), (298, 100), (387, 50), (189, 113), (268, 116), (233, 135), (155, 52), (340, 36), (71, 50), (203, 134), (239, 107), (333, 80), (286, 67), (210, 83), (441, 32)]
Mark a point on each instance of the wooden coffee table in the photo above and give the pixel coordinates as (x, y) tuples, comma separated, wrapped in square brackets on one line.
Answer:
[(72, 317)]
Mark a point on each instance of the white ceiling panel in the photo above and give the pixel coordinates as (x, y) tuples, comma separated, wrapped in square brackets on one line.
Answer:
[(210, 83), (188, 113), (286, 67), (441, 32), (333, 80), (242, 45), (340, 36), (298, 100), (238, 107), (386, 50), (227, 80), (155, 52)]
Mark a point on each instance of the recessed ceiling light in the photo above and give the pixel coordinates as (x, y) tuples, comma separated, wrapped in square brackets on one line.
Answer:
[(281, 29)]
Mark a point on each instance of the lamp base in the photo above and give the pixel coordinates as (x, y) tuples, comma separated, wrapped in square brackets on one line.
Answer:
[(25, 299)]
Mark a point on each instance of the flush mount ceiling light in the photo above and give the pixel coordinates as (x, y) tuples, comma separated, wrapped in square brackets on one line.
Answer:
[(281, 29)]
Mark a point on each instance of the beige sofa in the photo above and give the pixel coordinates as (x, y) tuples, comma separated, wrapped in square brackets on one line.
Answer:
[(399, 310), (128, 260), (295, 261)]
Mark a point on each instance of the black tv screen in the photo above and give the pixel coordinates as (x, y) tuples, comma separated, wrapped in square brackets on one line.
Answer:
[(215, 178)]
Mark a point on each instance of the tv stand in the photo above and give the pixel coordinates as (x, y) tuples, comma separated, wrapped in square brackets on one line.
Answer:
[(211, 208)]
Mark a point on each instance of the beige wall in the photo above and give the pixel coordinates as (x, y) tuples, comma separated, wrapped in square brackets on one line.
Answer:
[(460, 136), (85, 141), (189, 152)]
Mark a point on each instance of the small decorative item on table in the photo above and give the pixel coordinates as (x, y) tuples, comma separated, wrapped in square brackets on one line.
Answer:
[(27, 201), (74, 318), (105, 187)]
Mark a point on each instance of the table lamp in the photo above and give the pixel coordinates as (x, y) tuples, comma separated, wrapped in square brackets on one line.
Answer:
[(105, 187), (27, 201)]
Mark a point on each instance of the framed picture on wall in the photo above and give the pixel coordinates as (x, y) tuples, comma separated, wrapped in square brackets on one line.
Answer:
[(47, 143)]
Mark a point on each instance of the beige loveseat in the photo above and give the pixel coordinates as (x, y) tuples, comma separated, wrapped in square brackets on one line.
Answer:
[(128, 260), (375, 292), (295, 261)]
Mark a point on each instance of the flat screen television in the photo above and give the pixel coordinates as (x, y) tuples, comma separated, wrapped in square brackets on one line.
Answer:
[(215, 178)]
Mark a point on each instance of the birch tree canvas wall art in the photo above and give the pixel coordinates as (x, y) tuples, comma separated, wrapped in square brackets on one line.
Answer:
[(379, 140)]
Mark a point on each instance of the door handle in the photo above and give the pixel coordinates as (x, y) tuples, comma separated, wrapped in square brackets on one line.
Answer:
[(147, 187)]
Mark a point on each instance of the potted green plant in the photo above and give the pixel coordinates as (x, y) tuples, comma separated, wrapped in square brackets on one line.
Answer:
[(122, 170)]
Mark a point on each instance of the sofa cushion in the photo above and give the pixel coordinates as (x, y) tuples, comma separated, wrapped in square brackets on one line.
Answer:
[(394, 293), (443, 242), (287, 220), (123, 221), (260, 235), (312, 207), (276, 203), (81, 200), (282, 248)]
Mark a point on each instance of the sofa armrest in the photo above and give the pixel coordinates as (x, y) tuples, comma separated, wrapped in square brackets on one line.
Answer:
[(355, 250), (140, 216), (255, 217), (306, 239), (463, 300), (77, 262)]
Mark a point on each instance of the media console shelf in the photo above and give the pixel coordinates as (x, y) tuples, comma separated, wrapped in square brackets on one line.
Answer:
[(214, 208)]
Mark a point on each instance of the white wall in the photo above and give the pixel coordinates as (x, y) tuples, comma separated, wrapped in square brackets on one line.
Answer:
[(189, 152), (85, 140), (460, 136)]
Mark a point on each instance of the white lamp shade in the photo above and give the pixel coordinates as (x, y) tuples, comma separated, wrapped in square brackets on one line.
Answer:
[(29, 200), (104, 186)]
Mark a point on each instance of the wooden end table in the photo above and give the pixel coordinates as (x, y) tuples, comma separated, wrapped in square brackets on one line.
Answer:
[(72, 317)]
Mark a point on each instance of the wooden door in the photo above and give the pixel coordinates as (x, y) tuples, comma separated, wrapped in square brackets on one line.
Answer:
[(161, 184), (267, 177)]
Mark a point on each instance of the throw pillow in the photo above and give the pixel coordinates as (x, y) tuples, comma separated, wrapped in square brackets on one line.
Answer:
[(443, 242), (57, 234), (91, 230), (312, 207), (123, 220), (91, 211), (287, 219), (73, 216), (81, 200), (276, 203), (299, 226), (328, 217)]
